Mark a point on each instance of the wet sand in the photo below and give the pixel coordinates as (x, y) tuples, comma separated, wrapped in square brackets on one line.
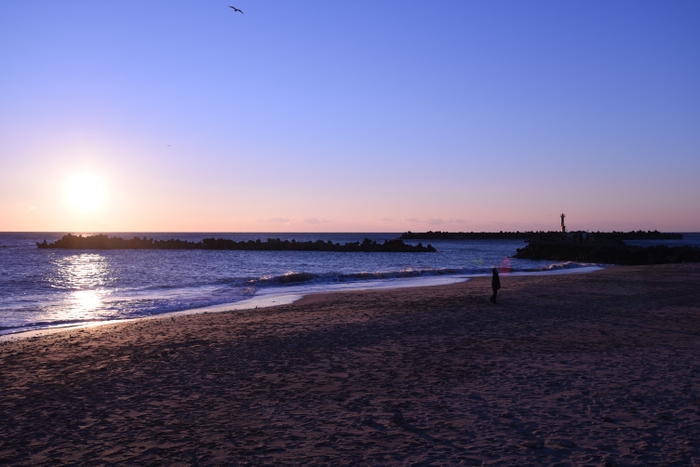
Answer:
[(594, 369)]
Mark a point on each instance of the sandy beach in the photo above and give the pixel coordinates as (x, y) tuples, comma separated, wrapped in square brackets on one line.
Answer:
[(599, 369)]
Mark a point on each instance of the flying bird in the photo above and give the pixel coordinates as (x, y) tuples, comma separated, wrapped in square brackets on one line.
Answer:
[(236, 9)]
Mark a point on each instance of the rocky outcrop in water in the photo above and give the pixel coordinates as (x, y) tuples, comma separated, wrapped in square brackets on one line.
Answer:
[(104, 242), (608, 252)]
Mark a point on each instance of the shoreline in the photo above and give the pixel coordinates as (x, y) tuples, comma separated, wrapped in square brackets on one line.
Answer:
[(266, 299), (593, 369), (285, 296)]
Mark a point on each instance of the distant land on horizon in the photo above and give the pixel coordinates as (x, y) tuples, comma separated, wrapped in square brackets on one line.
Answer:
[(531, 235)]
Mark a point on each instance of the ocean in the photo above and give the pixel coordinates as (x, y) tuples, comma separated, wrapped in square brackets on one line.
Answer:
[(42, 288)]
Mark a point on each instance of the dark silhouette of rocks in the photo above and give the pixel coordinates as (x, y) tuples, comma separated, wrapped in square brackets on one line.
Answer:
[(104, 242), (607, 251)]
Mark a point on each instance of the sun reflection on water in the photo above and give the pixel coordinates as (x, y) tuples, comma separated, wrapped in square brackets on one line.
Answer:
[(82, 272), (84, 279), (86, 301)]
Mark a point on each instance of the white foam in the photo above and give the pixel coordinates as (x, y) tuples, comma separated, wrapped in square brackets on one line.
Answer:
[(275, 296)]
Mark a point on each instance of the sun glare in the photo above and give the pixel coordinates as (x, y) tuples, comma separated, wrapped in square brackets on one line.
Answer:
[(85, 193)]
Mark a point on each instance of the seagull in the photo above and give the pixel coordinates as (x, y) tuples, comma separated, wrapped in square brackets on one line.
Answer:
[(236, 9)]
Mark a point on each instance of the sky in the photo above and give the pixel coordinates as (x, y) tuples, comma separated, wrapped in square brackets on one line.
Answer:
[(362, 116)]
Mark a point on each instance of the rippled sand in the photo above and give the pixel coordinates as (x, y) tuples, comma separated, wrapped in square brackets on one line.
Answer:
[(594, 369)]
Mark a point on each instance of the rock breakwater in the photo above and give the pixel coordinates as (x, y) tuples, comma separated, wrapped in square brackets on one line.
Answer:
[(104, 242), (608, 253)]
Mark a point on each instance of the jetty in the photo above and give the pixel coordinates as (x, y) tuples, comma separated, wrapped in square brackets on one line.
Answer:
[(104, 242), (608, 252)]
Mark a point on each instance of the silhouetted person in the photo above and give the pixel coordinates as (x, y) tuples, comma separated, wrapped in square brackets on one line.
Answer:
[(495, 285)]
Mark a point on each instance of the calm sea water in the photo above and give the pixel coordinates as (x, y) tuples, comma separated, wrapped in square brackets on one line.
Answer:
[(48, 288)]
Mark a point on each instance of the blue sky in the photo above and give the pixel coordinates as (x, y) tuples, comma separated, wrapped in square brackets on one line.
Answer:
[(350, 116)]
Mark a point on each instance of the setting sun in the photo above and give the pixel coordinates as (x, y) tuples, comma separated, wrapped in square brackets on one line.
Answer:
[(85, 193)]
